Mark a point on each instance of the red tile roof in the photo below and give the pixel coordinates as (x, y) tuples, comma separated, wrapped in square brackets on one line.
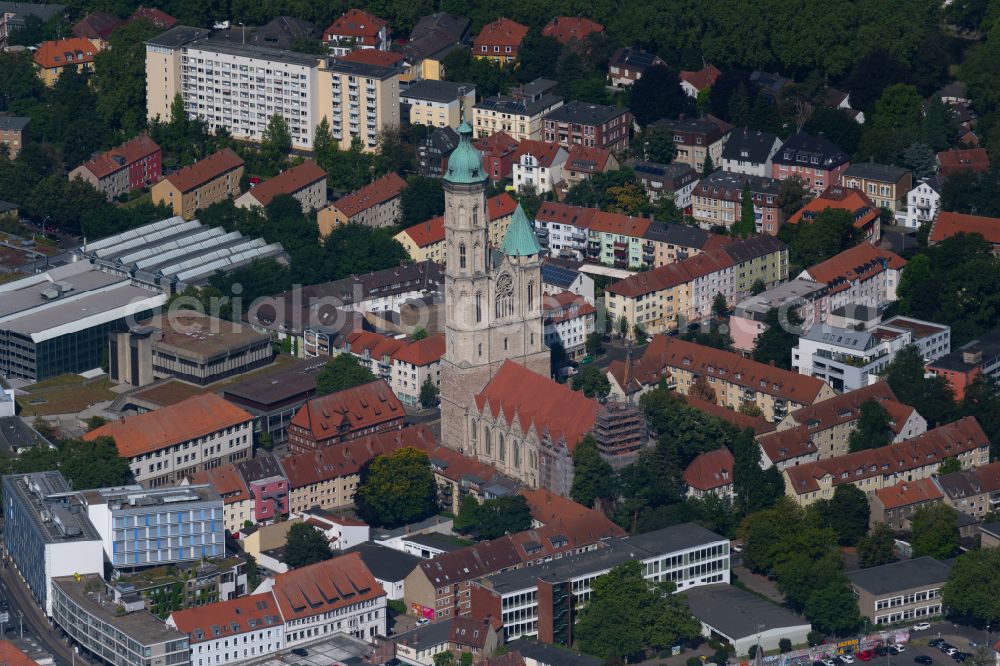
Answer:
[(742, 421), (703, 78), (10, 655), (104, 164), (658, 279), (788, 444), (710, 470), (861, 262), (552, 510), (587, 159), (378, 192), (373, 57), (616, 223), (157, 17), (347, 458), (467, 631), (203, 171), (538, 402), (502, 32), (189, 419), (954, 160), (427, 233), (564, 306), (422, 352), (362, 26), (96, 25), (855, 202), (566, 28), (846, 407), (324, 587), (226, 480), (908, 492), (500, 206), (929, 448), (497, 144), (62, 52), (224, 619), (288, 181), (578, 216), (373, 344), (543, 151), (355, 408), (950, 224)]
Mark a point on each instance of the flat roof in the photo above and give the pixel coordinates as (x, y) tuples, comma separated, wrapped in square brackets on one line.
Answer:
[(136, 497), (551, 655), (784, 293), (737, 613), (919, 328), (219, 44), (386, 563), (435, 540), (902, 575), (48, 492), (361, 69), (437, 91), (142, 626), (194, 335), (339, 648), (276, 388), (177, 36)]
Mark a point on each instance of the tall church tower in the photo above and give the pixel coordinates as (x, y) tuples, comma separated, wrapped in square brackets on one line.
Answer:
[(493, 297)]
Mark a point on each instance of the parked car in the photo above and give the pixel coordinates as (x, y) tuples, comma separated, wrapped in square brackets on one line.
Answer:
[(848, 659), (422, 621), (865, 655), (838, 661), (951, 650), (899, 647), (937, 642), (921, 626), (923, 659), (828, 662), (881, 650), (301, 652)]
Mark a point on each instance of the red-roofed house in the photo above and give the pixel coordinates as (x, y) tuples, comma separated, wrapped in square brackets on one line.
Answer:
[(500, 210), (861, 275), (345, 415), (710, 473), (157, 17), (254, 622), (97, 27), (855, 202), (551, 510), (52, 57), (582, 163), (374, 57), (374, 205), (306, 182), (12, 656), (528, 425), (356, 29), (373, 351), (424, 241), (565, 29), (499, 41), (569, 319), (693, 83), (950, 224), (133, 164), (415, 364), (895, 505), (956, 160), (499, 152), (562, 228), (236, 499), (538, 165)]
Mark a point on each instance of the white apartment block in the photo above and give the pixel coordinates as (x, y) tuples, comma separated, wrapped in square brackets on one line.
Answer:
[(537, 174), (923, 203)]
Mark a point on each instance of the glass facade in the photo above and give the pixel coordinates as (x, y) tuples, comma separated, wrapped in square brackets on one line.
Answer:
[(152, 537)]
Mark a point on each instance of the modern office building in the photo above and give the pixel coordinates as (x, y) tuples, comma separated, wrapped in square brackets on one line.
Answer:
[(47, 533), (104, 629), (901, 591), (140, 527)]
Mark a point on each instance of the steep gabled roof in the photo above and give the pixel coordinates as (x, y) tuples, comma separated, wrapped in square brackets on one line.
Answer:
[(855, 202), (96, 25), (861, 262), (104, 164), (427, 233), (502, 32), (352, 409), (227, 618), (360, 25), (378, 192), (710, 470), (205, 170), (63, 52), (908, 492), (950, 224), (702, 78), (422, 352), (225, 480), (566, 28), (325, 587), (288, 181)]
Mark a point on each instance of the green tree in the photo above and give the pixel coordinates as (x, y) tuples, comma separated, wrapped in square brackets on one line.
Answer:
[(758, 287), (775, 344), (309, 45), (429, 393), (276, 143), (396, 489), (658, 94), (950, 465), (896, 123), (445, 658), (93, 464), (747, 224), (595, 343), (658, 145), (419, 334), (342, 372), (720, 308), (847, 513), (119, 78), (833, 608), (930, 396), (938, 125), (792, 196), (919, 158), (593, 381), (832, 231), (935, 531), (982, 401), (755, 488), (499, 516), (352, 249), (707, 167), (628, 616), (593, 477), (95, 422), (468, 514), (305, 545), (972, 592), (877, 548), (837, 126), (872, 430)]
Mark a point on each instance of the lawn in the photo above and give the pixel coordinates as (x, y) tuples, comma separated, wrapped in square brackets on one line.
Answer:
[(65, 394)]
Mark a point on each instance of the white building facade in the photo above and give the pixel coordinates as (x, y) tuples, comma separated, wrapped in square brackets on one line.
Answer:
[(923, 203), (532, 173)]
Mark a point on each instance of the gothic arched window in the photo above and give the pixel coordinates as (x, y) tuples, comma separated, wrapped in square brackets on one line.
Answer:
[(531, 296), (502, 449), (505, 296), (487, 440), (461, 255), (479, 306), (516, 449)]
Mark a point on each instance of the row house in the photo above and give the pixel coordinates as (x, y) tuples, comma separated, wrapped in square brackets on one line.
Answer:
[(627, 65), (538, 166), (696, 139), (374, 205), (196, 187), (894, 506), (717, 201), (415, 364), (520, 114), (906, 461), (750, 152), (866, 214), (562, 229), (617, 240), (373, 351), (228, 632), (861, 275), (345, 415), (268, 486), (499, 41), (974, 492), (568, 321), (666, 180), (886, 185), (134, 164), (306, 183), (816, 161), (356, 29), (589, 125)]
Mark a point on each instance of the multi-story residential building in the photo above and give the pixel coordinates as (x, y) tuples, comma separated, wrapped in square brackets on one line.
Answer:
[(750, 152), (693, 83), (849, 359), (169, 588), (909, 460), (433, 152), (268, 487), (894, 506), (673, 180), (356, 29), (237, 501), (807, 298), (166, 445), (902, 591), (949, 224), (164, 70), (885, 184), (867, 216), (823, 430), (94, 621), (47, 533), (432, 38), (974, 492), (569, 319), (13, 16), (627, 65), (961, 367), (589, 125), (558, 277), (542, 601), (413, 365), (923, 203), (373, 351), (13, 134), (229, 632), (565, 29), (696, 139), (562, 229), (52, 57), (345, 415), (539, 166), (676, 242), (208, 181), (438, 103), (338, 595), (499, 151), (861, 275), (140, 527), (361, 99), (374, 205), (718, 200), (618, 240), (520, 114), (133, 164), (305, 182), (816, 161), (582, 163), (710, 473), (499, 41)]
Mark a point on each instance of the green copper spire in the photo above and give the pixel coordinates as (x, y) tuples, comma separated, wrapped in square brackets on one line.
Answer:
[(520, 240), (465, 165)]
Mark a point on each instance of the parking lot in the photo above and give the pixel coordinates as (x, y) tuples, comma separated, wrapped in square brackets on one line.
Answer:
[(964, 639)]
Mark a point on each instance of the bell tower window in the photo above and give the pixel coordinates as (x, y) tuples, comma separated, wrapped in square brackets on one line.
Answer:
[(461, 255)]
